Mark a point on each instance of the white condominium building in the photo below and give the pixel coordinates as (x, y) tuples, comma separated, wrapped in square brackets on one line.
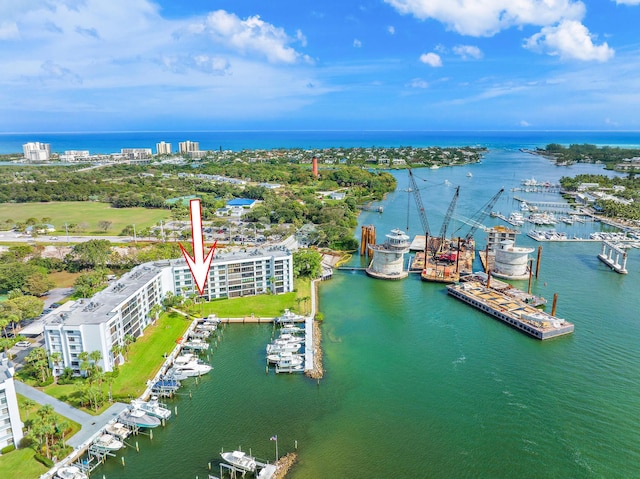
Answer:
[(75, 155), (123, 308), (36, 151), (188, 146), (163, 148), (136, 153), (10, 423)]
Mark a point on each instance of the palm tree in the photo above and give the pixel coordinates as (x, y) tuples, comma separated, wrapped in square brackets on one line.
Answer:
[(28, 404), (84, 362), (128, 339), (117, 349), (155, 311), (38, 359), (55, 358)]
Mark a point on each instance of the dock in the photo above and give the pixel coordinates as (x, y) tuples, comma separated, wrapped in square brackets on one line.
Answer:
[(511, 311), (609, 250)]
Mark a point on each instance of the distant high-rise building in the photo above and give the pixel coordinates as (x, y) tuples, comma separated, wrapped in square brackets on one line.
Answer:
[(36, 151), (163, 148), (136, 153), (10, 423), (188, 146)]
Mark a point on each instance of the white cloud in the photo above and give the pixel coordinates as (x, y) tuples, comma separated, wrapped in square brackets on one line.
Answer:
[(468, 51), (524, 123), (8, 30), (252, 35), (418, 83), (487, 17), (570, 40), (431, 59), (391, 29), (357, 43)]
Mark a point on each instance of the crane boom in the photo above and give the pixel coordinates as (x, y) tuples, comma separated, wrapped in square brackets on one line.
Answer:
[(477, 218), (416, 195), (447, 216)]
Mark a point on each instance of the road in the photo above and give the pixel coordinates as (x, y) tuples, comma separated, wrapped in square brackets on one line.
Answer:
[(13, 237)]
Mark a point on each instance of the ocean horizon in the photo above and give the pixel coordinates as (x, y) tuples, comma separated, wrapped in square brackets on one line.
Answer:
[(238, 140)]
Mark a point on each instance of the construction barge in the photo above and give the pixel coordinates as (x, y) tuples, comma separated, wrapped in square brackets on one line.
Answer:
[(518, 314)]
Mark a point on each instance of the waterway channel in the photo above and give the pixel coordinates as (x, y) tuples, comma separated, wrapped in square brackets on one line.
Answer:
[(418, 384)]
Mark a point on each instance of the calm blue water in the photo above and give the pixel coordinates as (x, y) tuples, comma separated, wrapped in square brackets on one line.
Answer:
[(239, 140), (417, 384)]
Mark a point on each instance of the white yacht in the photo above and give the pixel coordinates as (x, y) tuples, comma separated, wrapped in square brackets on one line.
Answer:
[(191, 368)]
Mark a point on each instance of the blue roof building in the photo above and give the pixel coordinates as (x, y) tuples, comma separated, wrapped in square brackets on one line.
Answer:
[(241, 202)]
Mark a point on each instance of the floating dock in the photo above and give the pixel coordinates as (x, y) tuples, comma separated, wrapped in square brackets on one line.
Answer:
[(517, 314)]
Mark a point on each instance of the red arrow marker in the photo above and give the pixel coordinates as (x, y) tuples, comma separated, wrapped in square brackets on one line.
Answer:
[(199, 265)]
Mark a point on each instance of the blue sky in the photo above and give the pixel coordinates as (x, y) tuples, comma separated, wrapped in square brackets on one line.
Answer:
[(96, 65)]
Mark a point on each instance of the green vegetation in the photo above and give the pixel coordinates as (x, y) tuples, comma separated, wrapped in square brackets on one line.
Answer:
[(80, 217), (627, 189), (587, 153), (24, 458), (21, 460)]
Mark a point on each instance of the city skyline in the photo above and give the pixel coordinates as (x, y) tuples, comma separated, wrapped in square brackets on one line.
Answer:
[(141, 65)]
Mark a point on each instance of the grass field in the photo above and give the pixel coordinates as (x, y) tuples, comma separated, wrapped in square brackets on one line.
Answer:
[(264, 305), (63, 279), (83, 212)]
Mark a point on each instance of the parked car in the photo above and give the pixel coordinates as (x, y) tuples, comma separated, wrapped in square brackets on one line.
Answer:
[(23, 344)]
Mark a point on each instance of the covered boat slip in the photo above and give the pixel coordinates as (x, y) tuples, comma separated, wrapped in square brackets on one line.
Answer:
[(518, 314)]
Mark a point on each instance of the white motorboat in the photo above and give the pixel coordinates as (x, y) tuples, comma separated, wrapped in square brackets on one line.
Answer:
[(290, 361), (152, 407), (284, 346), (191, 368), (469, 174), (289, 317), (196, 343), (70, 472), (137, 417), (291, 329), (240, 459), (274, 358), (290, 338), (117, 430), (107, 442), (173, 373)]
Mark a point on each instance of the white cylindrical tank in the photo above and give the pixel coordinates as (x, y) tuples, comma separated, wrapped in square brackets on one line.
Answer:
[(511, 261), (388, 258)]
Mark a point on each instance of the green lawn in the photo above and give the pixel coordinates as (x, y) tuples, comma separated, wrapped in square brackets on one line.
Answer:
[(77, 212), (21, 460), (146, 355), (264, 305)]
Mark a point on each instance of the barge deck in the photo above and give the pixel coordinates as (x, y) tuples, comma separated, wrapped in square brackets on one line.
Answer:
[(515, 313)]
